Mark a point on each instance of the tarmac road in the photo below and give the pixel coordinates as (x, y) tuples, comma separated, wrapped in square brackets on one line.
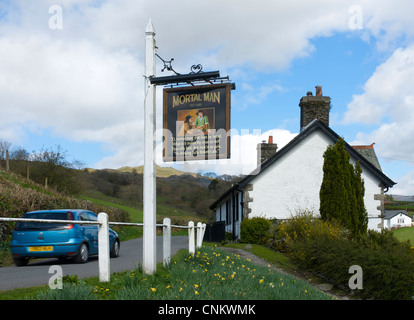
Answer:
[(36, 273)]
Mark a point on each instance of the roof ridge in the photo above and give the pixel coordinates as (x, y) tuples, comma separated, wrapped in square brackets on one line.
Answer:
[(371, 146)]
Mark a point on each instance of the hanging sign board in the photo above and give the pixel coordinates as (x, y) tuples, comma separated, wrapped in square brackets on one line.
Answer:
[(196, 123)]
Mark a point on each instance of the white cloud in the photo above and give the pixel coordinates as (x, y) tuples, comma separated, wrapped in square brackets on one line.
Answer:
[(405, 185), (85, 81), (388, 101), (243, 152)]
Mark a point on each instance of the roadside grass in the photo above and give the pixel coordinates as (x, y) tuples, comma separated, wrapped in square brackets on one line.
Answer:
[(211, 273), (134, 214), (404, 234), (278, 259)]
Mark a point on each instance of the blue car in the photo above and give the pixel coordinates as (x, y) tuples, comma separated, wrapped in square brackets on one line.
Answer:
[(45, 240)]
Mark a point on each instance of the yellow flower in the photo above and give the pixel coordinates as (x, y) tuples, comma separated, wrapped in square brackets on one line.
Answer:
[(261, 281), (181, 289), (153, 289), (196, 286), (196, 292)]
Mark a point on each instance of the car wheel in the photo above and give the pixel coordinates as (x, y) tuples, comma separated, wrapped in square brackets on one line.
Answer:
[(115, 249), (83, 254), (21, 262)]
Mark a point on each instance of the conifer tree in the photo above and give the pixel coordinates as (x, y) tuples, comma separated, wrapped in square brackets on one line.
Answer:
[(342, 190), (361, 224)]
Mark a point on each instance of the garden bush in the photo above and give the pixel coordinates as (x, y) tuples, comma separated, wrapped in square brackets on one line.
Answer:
[(387, 264), (301, 227), (254, 230)]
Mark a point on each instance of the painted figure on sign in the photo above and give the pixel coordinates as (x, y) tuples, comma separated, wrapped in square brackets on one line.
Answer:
[(189, 124), (201, 122)]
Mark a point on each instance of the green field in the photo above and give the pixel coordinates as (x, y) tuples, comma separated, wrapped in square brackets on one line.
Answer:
[(404, 234), (134, 214)]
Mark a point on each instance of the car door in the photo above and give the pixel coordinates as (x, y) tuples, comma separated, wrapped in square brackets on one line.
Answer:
[(93, 231), (89, 232)]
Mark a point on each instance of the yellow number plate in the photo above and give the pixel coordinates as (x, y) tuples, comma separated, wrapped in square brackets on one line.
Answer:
[(44, 248)]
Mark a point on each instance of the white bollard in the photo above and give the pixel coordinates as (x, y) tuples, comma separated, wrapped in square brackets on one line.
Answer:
[(166, 241), (103, 248), (203, 232), (191, 242), (199, 235)]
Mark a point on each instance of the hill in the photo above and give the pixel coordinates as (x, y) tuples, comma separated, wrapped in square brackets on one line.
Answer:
[(162, 172), (180, 195), (19, 195)]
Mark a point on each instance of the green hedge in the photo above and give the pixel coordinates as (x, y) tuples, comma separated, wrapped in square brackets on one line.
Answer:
[(387, 265), (254, 230)]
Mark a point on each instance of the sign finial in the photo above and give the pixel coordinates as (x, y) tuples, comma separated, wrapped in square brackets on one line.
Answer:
[(150, 28)]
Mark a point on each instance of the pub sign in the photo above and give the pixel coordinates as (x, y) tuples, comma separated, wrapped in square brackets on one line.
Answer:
[(196, 122)]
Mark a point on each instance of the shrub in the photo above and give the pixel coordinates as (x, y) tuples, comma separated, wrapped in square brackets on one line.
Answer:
[(301, 227), (254, 230), (388, 266)]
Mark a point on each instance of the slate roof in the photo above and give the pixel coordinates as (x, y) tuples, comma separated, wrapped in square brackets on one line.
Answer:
[(389, 214), (311, 127), (368, 153)]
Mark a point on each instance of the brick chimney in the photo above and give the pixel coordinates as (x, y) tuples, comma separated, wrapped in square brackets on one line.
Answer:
[(265, 150), (314, 107)]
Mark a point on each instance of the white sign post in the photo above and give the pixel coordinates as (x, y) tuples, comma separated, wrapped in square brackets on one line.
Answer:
[(149, 197)]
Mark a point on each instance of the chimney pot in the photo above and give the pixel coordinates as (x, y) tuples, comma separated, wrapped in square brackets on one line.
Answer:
[(314, 107), (318, 91), (265, 150)]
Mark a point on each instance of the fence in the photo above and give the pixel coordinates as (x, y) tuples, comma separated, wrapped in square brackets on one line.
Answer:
[(103, 238)]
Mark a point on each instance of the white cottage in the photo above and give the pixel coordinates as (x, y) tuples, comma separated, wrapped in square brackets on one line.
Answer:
[(396, 219), (289, 180)]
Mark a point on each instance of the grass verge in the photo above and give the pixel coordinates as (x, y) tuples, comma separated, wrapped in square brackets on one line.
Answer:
[(211, 273)]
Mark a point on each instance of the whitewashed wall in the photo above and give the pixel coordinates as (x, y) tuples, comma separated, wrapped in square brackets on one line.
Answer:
[(293, 182), (372, 187)]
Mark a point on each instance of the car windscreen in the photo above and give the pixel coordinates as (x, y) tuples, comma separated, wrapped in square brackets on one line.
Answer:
[(27, 226)]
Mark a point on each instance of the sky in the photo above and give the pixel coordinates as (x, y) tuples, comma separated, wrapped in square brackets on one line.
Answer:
[(71, 74)]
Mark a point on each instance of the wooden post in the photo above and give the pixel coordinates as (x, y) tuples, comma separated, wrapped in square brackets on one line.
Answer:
[(166, 241), (199, 233), (103, 248), (7, 161), (191, 242), (149, 197)]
